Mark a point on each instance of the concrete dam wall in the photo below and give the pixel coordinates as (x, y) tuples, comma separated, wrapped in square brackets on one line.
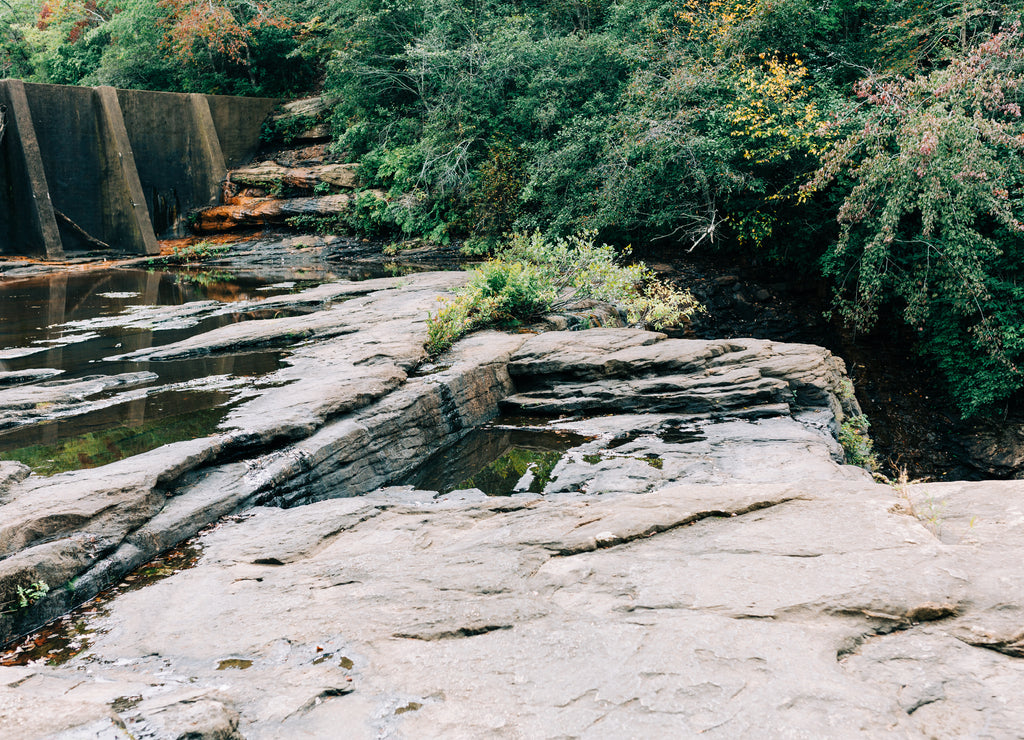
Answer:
[(87, 168)]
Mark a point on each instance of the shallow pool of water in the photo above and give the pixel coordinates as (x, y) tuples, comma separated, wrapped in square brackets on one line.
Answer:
[(115, 432), (72, 321), (500, 459)]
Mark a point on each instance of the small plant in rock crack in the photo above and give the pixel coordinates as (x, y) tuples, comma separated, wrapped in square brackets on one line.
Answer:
[(28, 595), (846, 392), (926, 509), (857, 444)]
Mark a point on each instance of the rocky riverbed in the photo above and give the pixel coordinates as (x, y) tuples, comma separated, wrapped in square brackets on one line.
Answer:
[(597, 533)]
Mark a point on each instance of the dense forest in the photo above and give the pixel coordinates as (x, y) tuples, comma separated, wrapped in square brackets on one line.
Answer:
[(878, 143)]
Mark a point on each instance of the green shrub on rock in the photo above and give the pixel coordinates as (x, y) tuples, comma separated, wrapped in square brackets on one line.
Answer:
[(532, 276), (857, 444)]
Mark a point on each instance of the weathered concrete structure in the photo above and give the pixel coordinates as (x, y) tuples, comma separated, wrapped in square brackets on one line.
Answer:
[(90, 167)]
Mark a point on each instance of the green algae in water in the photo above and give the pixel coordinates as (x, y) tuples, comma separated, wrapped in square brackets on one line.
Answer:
[(237, 664), (501, 476), (95, 448), (651, 458), (496, 459)]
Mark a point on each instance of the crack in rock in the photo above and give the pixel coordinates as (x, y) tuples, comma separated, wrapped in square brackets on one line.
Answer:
[(428, 635), (1013, 647), (605, 540)]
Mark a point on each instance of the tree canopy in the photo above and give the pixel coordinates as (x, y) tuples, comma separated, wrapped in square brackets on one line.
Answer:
[(878, 143)]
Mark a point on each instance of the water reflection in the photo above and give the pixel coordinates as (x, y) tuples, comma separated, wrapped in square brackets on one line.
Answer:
[(498, 460), (33, 311), (45, 324), (116, 432)]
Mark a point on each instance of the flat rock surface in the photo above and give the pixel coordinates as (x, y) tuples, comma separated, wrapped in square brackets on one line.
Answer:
[(87, 528), (695, 559), (743, 610)]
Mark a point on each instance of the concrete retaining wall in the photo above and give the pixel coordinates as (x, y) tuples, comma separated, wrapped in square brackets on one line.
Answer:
[(82, 166)]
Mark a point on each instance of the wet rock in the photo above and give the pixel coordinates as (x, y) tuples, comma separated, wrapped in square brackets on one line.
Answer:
[(688, 568), (343, 417), (27, 403), (14, 377), (252, 212), (90, 527)]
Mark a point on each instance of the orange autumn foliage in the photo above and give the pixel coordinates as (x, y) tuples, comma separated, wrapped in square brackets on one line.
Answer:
[(205, 26)]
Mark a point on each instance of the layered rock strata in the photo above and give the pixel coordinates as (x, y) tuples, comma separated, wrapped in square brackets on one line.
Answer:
[(343, 417), (699, 563), (297, 179)]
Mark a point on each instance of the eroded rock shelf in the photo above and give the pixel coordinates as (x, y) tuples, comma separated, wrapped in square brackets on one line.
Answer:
[(696, 560)]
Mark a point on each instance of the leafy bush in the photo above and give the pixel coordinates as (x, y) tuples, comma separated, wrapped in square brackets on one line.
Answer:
[(287, 129), (932, 223), (532, 276), (686, 124), (222, 46), (857, 444)]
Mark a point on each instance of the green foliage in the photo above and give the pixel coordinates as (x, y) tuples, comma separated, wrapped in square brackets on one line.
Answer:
[(317, 224), (482, 119), (28, 595), (219, 46), (914, 35), (689, 124), (932, 218), (367, 214), (532, 276), (32, 593), (191, 254), (857, 444), (285, 130)]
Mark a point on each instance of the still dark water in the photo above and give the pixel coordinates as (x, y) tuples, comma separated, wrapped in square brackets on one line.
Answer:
[(498, 459), (72, 321)]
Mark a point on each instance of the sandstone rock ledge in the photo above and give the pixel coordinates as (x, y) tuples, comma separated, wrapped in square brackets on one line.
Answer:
[(748, 585)]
